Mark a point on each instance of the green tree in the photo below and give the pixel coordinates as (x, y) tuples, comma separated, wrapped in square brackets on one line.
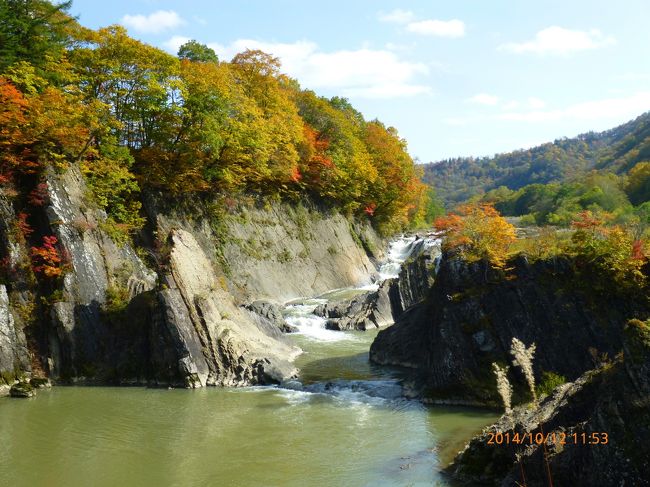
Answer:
[(638, 183), (434, 207), (197, 52), (32, 31)]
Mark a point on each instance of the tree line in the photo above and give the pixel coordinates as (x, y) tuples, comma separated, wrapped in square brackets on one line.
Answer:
[(136, 118)]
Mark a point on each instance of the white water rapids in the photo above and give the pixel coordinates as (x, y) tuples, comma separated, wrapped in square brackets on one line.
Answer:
[(300, 312)]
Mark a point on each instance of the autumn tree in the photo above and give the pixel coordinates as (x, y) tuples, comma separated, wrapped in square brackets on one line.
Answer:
[(615, 250), (258, 73), (347, 178), (137, 83), (397, 194), (477, 232)]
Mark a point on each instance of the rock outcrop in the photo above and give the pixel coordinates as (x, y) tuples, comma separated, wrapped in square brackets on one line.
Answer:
[(16, 300), (598, 430), (277, 252), (472, 312), (416, 275), (14, 357), (218, 342), (171, 313), (364, 312), (271, 314)]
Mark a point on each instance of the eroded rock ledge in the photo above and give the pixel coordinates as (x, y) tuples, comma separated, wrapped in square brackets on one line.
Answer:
[(472, 312), (613, 400)]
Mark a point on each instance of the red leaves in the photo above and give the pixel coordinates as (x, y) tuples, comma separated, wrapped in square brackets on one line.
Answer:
[(370, 209), (638, 251), (295, 175), (46, 259), (586, 221), (38, 196)]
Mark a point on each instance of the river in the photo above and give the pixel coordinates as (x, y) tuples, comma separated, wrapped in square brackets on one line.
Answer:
[(344, 423)]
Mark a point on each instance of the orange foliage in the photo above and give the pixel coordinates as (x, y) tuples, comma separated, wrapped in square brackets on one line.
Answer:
[(370, 209), (295, 175), (315, 161), (23, 227), (638, 251), (586, 220), (477, 232), (46, 259)]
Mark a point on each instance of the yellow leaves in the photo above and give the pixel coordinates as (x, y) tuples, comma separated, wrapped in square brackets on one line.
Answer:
[(477, 232)]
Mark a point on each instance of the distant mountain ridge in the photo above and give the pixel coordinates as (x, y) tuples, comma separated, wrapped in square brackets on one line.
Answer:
[(616, 150)]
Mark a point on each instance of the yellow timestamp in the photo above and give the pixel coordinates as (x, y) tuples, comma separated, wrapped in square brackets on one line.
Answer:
[(559, 438)]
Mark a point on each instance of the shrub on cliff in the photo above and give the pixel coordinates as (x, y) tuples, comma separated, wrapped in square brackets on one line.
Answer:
[(477, 232)]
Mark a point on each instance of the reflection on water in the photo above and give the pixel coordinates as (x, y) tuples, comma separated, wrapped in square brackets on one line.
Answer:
[(344, 423)]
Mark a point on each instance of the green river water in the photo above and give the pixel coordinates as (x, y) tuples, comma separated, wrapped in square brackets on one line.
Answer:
[(356, 432), (344, 424)]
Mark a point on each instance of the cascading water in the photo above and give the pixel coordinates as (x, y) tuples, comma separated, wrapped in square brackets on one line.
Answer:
[(299, 313)]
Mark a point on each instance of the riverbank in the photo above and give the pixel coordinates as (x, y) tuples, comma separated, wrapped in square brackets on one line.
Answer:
[(344, 421)]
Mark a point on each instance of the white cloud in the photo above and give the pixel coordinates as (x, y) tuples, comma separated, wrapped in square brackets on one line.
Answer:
[(158, 21), (511, 105), (397, 16), (609, 108), (439, 28), (536, 103), (365, 72), (557, 40), (175, 42), (484, 99)]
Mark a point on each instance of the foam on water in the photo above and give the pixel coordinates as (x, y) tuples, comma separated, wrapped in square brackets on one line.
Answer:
[(300, 312), (398, 251), (302, 317)]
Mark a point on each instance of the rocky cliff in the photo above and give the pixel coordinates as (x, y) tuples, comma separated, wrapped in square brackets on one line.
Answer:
[(276, 251), (472, 312), (168, 312), (598, 429)]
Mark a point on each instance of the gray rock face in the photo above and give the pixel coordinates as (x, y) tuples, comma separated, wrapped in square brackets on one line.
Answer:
[(190, 334), (98, 264), (217, 333), (111, 319), (13, 351), (614, 400), (471, 314), (271, 313), (364, 312), (415, 277), (279, 252), (14, 354)]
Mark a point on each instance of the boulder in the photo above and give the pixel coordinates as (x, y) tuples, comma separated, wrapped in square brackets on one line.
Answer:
[(363, 312), (21, 389), (272, 313)]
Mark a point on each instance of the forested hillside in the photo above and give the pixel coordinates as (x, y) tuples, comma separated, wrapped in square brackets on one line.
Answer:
[(138, 119), (617, 150), (606, 173)]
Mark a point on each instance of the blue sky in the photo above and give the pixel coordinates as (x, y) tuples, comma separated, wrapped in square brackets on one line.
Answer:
[(460, 78)]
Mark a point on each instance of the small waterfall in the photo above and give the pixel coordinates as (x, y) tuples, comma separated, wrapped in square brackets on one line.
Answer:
[(299, 313)]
